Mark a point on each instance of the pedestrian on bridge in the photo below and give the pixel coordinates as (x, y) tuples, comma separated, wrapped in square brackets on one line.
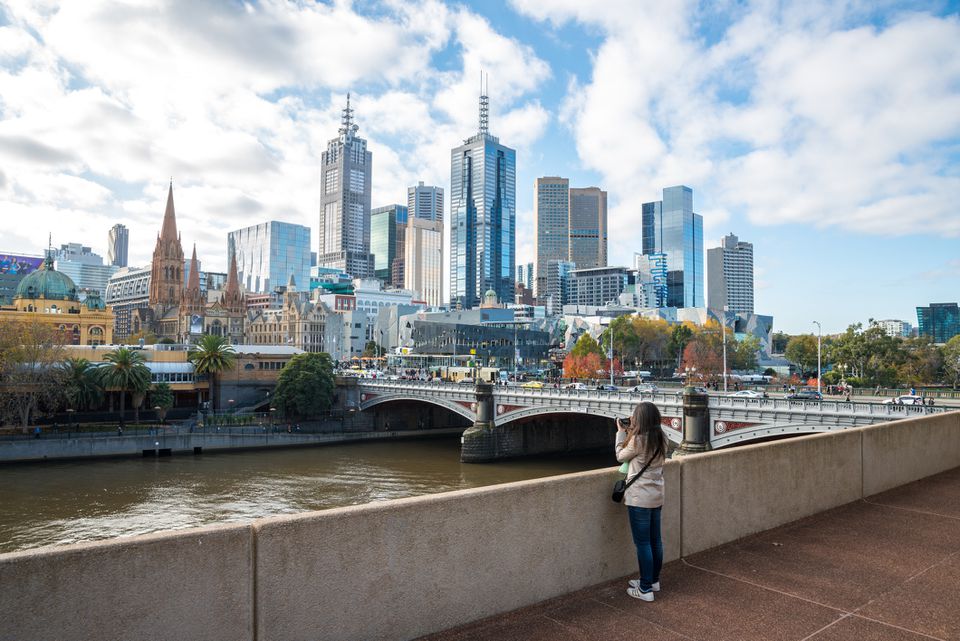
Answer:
[(640, 440)]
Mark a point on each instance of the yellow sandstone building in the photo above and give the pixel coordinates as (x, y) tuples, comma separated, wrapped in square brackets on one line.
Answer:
[(50, 297)]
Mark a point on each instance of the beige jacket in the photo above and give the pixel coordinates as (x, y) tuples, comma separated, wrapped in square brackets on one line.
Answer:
[(646, 491)]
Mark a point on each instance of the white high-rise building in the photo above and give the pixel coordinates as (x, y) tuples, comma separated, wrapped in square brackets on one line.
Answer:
[(425, 202), (730, 276), (118, 242), (345, 176), (897, 328), (423, 260)]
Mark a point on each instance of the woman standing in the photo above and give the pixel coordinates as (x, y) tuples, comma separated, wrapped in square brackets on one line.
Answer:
[(640, 441)]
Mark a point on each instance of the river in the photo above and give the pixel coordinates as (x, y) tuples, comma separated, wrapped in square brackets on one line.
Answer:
[(57, 503)]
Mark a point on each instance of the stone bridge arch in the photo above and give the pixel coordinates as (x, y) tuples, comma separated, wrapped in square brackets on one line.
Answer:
[(463, 408)]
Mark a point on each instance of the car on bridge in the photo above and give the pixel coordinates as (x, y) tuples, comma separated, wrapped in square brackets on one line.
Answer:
[(607, 387), (532, 385), (580, 386), (697, 389), (907, 399), (748, 393), (645, 388), (805, 395)]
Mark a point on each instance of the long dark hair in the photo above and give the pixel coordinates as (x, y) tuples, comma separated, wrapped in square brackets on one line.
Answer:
[(645, 425)]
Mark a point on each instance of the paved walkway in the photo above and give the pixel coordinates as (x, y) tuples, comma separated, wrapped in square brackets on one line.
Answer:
[(886, 568)]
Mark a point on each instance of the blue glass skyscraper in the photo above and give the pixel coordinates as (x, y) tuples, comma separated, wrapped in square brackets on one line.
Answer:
[(269, 253), (670, 227), (483, 217)]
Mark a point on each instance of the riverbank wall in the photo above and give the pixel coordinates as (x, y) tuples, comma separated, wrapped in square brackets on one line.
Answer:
[(404, 568)]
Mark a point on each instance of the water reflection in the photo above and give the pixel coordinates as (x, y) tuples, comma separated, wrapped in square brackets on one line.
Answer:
[(60, 503)]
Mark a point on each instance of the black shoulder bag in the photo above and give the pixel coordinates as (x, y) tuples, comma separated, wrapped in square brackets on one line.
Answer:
[(620, 487)]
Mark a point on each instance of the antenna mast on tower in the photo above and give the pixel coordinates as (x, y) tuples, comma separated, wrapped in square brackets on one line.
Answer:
[(484, 107)]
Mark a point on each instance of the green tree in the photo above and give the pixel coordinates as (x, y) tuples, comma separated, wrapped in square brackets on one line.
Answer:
[(211, 356), (679, 337), (951, 361), (305, 386), (802, 351), (371, 350), (31, 381), (587, 345), (744, 353), (83, 387), (125, 371), (161, 396)]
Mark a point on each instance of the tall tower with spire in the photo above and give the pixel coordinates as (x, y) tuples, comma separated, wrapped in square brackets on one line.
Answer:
[(166, 275), (345, 177), (483, 216)]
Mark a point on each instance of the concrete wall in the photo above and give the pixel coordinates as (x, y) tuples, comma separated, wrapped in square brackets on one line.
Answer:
[(399, 569)]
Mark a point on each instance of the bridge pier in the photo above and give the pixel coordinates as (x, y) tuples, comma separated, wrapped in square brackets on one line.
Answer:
[(696, 423), (480, 441)]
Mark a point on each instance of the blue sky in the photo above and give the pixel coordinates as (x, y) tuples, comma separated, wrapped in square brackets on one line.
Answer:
[(826, 133)]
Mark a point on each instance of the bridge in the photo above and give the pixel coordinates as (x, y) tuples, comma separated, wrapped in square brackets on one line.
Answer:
[(505, 419)]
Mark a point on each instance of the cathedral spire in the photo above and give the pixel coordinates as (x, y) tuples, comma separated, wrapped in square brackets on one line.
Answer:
[(193, 279), (169, 230), (233, 281)]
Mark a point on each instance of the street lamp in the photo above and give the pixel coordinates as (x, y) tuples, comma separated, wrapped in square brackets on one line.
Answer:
[(156, 408), (70, 413), (273, 415), (819, 340), (723, 329)]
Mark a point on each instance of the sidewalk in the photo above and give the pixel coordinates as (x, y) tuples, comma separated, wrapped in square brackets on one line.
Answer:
[(886, 568)]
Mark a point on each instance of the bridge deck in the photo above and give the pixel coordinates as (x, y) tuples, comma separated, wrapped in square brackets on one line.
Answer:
[(883, 568)]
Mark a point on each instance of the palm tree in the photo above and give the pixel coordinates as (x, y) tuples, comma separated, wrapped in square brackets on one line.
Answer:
[(126, 371), (210, 356), (82, 383)]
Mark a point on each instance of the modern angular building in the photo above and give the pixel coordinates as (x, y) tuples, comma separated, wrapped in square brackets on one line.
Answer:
[(551, 214), (425, 202), (730, 276), (939, 322), (345, 174), (387, 234), (483, 217), (85, 268), (118, 242), (268, 253), (671, 228), (587, 227)]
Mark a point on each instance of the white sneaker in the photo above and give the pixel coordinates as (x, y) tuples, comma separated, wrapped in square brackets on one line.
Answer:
[(643, 596), (635, 583)]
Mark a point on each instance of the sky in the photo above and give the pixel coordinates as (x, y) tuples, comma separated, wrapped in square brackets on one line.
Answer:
[(826, 133)]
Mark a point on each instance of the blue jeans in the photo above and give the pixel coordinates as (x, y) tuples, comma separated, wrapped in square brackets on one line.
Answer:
[(645, 526)]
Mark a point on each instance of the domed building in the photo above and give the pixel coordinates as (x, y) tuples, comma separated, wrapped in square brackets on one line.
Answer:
[(51, 297)]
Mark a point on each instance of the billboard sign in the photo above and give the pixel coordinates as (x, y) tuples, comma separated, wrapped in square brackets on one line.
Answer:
[(15, 265)]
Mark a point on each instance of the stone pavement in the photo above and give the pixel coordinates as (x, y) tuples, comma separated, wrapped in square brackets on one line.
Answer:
[(885, 568)]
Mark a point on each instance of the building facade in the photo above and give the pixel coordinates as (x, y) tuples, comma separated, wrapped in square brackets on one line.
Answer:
[(483, 217), (425, 202), (896, 328), (269, 253), (127, 290), (670, 227), (596, 286), (587, 227), (50, 297), (423, 260), (939, 321), (387, 236), (345, 175), (118, 243), (730, 276), (85, 268), (551, 216), (306, 324)]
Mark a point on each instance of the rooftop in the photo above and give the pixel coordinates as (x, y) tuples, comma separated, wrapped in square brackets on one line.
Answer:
[(882, 568)]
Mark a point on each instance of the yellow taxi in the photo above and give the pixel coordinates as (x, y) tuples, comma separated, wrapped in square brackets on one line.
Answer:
[(533, 385)]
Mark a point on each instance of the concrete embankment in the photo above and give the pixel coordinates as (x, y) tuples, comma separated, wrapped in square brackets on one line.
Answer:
[(170, 443), (400, 569)]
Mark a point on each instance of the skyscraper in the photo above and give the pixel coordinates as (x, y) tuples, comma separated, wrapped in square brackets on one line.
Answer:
[(387, 235), (268, 253), (483, 217), (587, 227), (730, 276), (118, 241), (85, 268), (551, 214), (423, 253), (425, 202), (939, 321), (345, 173), (670, 227)]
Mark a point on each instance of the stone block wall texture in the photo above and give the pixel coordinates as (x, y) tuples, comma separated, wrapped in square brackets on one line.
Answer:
[(194, 584), (903, 451), (729, 494)]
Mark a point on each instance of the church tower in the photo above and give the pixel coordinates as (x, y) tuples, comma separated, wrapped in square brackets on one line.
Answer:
[(166, 275), (232, 298), (193, 302)]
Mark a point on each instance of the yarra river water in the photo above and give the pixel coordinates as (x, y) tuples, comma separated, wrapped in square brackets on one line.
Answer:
[(56, 503)]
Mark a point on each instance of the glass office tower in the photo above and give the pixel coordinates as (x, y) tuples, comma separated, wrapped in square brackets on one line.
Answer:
[(387, 227), (483, 218), (939, 321), (670, 227), (551, 218), (268, 253)]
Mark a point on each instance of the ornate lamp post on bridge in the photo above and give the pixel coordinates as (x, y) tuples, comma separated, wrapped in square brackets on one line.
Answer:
[(819, 340)]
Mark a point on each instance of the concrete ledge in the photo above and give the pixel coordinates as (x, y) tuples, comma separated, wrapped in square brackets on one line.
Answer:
[(729, 494), (898, 453), (404, 568), (192, 584)]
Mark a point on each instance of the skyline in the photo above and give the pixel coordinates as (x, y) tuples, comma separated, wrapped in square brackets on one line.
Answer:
[(806, 130)]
